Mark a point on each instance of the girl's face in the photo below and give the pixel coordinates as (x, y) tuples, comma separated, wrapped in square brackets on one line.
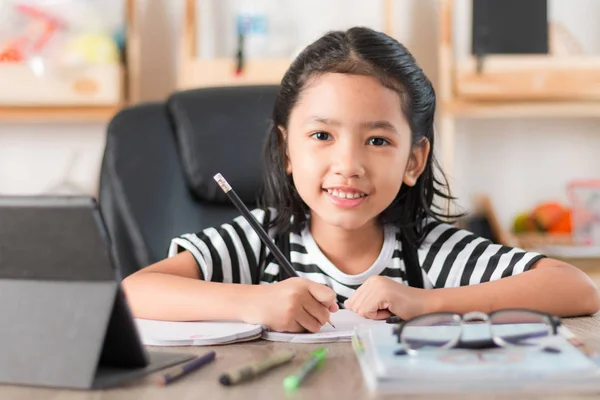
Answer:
[(349, 149)]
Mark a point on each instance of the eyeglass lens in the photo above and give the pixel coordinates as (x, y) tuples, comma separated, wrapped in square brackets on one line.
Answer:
[(431, 330), (520, 327)]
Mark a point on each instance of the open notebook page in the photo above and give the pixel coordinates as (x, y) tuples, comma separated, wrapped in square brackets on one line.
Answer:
[(344, 320), (167, 333)]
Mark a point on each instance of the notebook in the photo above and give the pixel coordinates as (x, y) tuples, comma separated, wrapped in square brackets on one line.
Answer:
[(168, 333), (206, 333), (345, 322), (469, 371)]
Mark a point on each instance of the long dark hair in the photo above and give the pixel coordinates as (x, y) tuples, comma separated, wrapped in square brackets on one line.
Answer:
[(360, 51)]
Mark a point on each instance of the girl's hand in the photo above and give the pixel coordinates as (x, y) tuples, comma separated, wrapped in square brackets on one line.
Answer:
[(293, 305), (380, 297)]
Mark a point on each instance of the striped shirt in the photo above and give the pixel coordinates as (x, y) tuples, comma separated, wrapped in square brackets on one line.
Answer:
[(448, 256)]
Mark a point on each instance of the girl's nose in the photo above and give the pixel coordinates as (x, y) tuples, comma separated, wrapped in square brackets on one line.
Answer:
[(348, 161)]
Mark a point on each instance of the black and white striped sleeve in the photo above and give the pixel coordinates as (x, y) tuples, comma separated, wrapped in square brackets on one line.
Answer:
[(452, 257), (228, 254)]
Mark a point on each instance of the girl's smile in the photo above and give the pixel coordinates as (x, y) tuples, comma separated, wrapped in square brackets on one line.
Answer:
[(345, 196)]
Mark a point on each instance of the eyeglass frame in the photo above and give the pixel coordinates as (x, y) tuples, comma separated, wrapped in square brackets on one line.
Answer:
[(554, 322)]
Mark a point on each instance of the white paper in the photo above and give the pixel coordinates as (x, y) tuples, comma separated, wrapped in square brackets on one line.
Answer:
[(344, 320)]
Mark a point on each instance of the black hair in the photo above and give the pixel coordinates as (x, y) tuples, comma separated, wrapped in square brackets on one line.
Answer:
[(359, 51)]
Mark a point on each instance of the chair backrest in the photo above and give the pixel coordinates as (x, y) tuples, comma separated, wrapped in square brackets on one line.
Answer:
[(156, 179)]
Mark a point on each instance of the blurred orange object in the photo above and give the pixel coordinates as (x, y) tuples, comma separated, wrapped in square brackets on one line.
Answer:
[(564, 224), (13, 51), (547, 214), (11, 54)]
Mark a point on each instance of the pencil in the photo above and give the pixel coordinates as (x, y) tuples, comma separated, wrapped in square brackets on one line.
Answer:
[(185, 369), (283, 262), (235, 199)]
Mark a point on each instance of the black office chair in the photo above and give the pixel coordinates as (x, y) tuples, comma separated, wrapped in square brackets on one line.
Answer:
[(157, 172)]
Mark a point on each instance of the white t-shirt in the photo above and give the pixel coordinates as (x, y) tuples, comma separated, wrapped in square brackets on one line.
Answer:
[(448, 257)]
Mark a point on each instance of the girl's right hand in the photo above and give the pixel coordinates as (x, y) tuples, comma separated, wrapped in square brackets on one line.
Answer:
[(292, 305)]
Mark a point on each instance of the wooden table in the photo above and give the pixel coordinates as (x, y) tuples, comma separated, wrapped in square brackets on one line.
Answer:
[(340, 377)]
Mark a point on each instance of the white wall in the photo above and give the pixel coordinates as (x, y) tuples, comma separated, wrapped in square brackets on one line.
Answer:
[(36, 158), (518, 162)]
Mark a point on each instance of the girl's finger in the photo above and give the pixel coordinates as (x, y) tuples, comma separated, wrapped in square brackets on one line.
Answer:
[(309, 322), (356, 299), (383, 314), (293, 327), (316, 310), (369, 305)]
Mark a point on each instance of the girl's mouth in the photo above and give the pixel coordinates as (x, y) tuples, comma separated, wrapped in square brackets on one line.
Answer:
[(345, 198), (350, 194)]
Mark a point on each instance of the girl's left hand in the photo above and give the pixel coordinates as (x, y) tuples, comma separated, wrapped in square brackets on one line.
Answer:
[(380, 297)]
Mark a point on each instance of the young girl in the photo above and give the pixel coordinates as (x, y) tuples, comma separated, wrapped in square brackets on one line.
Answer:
[(350, 176)]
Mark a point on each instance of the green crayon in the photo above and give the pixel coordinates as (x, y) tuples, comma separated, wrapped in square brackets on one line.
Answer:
[(251, 371), (316, 358)]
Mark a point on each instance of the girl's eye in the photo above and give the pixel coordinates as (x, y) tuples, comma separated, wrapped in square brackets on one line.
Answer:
[(377, 141), (321, 136)]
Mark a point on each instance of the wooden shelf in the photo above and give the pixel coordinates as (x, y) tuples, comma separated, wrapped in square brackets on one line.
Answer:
[(58, 114), (221, 72), (521, 109), (529, 78)]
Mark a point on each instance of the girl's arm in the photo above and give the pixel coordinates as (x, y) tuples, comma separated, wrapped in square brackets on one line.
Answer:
[(455, 260), (551, 286), (172, 289)]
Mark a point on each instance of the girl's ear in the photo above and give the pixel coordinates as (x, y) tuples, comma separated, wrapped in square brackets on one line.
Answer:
[(284, 150), (417, 162)]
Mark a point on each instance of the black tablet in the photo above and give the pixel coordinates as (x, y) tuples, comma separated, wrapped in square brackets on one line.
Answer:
[(65, 321)]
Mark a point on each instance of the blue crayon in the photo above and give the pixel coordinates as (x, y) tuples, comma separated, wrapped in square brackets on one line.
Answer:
[(185, 369)]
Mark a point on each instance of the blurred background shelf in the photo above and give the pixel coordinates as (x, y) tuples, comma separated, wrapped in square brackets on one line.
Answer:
[(524, 77), (504, 86), (521, 109), (118, 84), (221, 72), (58, 114), (198, 70)]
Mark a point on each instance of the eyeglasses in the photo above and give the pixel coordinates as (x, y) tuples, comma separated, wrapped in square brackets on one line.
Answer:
[(502, 328)]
